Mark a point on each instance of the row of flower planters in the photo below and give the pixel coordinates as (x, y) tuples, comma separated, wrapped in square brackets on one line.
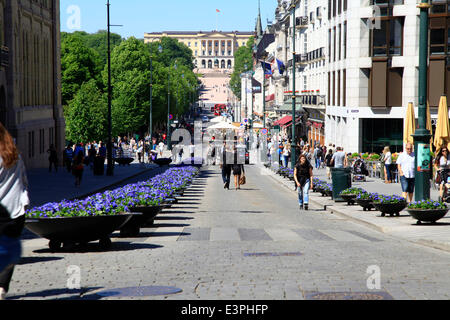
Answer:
[(423, 211), (126, 209)]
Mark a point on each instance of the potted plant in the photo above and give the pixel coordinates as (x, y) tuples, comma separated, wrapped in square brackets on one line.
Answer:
[(391, 205), (350, 194), (365, 200), (427, 211), (327, 190)]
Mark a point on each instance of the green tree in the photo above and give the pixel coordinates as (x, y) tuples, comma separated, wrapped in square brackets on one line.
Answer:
[(79, 64), (86, 117), (243, 56)]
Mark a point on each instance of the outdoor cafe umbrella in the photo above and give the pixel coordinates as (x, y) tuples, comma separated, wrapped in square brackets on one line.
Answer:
[(429, 126), (442, 135), (410, 125)]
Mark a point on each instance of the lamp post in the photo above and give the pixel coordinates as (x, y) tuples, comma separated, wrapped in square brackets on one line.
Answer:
[(293, 150), (169, 147), (110, 163), (422, 135), (150, 128)]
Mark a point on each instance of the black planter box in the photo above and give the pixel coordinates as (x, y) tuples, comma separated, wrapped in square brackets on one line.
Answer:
[(124, 161), (427, 215), (390, 208), (77, 229), (163, 161), (349, 198), (132, 227), (366, 204)]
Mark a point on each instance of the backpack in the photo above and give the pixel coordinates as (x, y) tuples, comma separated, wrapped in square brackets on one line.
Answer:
[(319, 153)]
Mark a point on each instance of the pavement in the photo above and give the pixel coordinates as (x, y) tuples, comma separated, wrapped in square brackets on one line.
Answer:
[(248, 244), (405, 227)]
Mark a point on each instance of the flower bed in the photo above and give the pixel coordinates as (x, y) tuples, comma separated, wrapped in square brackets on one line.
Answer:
[(350, 194), (148, 193), (365, 200), (56, 221)]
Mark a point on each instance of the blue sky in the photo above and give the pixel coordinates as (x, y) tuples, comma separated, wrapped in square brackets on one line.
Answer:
[(140, 16)]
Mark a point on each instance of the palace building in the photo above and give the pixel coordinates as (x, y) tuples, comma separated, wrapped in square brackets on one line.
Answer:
[(211, 50), (30, 80)]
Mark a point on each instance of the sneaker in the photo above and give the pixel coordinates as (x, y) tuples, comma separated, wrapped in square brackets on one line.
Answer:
[(2, 294), (306, 206)]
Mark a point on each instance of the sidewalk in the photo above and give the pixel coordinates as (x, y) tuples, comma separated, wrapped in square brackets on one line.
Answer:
[(404, 227), (54, 186)]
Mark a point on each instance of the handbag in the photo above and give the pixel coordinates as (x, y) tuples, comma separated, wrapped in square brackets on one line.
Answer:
[(438, 179), (242, 180)]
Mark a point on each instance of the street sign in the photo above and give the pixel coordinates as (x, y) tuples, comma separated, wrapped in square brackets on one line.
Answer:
[(264, 132), (170, 117), (245, 120)]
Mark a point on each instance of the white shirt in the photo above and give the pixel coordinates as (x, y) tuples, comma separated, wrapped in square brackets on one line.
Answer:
[(406, 161), (388, 158), (13, 188), (161, 146)]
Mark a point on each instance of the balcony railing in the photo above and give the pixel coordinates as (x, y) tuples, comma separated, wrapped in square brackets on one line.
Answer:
[(4, 56)]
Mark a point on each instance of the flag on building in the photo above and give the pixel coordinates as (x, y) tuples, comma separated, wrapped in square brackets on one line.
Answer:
[(217, 10), (281, 66), (267, 68)]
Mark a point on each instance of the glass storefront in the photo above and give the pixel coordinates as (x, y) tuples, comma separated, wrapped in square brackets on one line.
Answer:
[(379, 133)]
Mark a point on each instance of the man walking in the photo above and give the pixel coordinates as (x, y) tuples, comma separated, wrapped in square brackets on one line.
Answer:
[(226, 168), (318, 156), (339, 159), (406, 171)]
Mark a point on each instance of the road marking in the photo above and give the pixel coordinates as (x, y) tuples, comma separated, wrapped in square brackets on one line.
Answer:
[(165, 234), (340, 235), (278, 234), (224, 234)]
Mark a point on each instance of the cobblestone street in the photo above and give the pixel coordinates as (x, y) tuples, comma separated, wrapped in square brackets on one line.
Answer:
[(252, 243)]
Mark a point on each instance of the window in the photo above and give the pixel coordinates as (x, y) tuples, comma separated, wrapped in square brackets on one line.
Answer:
[(385, 85), (41, 141), (388, 40), (344, 44), (339, 39), (31, 144)]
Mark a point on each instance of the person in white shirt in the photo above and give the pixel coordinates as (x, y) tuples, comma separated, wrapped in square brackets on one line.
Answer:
[(161, 148), (13, 203), (387, 164), (406, 171)]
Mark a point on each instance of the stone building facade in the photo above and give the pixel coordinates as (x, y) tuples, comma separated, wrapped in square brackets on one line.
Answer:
[(30, 77)]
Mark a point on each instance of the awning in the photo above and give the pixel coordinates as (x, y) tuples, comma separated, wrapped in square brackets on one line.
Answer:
[(297, 121), (282, 121), (271, 97)]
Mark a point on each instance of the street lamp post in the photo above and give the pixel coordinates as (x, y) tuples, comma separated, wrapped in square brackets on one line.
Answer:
[(168, 110), (293, 150), (150, 129), (422, 135)]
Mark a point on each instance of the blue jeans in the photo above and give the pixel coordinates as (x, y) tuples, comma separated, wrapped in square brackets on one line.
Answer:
[(407, 184), (317, 163), (388, 172), (10, 251), (303, 193), (285, 161)]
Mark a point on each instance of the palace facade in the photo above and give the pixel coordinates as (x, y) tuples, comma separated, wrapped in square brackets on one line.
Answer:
[(30, 77), (211, 50)]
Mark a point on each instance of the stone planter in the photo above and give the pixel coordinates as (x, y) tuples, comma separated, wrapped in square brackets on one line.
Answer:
[(431, 216), (390, 208), (124, 161), (366, 204), (77, 230)]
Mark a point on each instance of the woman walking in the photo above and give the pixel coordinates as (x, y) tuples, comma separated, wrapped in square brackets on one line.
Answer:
[(238, 171), (303, 176), (387, 164), (52, 158), (77, 168), (442, 165), (13, 203)]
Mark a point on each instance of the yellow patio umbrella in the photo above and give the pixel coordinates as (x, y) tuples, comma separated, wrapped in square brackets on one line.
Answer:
[(410, 124), (442, 135), (429, 126)]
